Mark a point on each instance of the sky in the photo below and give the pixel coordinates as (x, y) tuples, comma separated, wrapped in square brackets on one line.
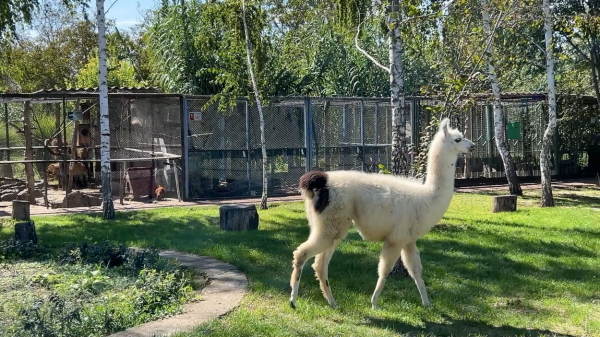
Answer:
[(126, 13)]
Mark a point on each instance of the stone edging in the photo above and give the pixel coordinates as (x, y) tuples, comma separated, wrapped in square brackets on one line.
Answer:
[(225, 291)]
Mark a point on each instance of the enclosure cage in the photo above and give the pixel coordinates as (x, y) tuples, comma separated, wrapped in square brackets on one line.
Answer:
[(197, 149), (54, 136)]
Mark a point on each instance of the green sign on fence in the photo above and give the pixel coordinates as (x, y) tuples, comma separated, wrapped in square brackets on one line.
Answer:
[(513, 130)]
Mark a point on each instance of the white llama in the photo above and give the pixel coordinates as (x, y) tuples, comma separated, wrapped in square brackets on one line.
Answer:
[(395, 210)]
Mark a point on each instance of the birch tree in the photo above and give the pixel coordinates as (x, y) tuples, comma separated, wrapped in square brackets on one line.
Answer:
[(107, 201), (397, 94), (547, 198), (263, 145), (499, 127)]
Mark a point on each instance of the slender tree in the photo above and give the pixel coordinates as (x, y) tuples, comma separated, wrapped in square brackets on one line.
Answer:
[(263, 144), (397, 94), (499, 127), (107, 201), (547, 198)]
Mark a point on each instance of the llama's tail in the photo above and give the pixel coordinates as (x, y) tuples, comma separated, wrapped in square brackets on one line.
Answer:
[(314, 184)]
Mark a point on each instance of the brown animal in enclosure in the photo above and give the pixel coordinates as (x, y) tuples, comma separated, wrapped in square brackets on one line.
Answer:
[(80, 174), (51, 145), (160, 193)]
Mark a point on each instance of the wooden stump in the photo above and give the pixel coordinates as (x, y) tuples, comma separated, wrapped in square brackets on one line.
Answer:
[(20, 210), (238, 217), (25, 232), (504, 203)]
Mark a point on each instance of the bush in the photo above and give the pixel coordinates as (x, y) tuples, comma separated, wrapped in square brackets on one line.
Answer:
[(97, 289)]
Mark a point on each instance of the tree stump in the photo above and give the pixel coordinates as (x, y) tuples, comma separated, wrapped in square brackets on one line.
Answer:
[(24, 231), (504, 203), (238, 217), (20, 210)]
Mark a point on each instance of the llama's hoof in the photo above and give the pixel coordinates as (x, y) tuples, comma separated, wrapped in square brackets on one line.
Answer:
[(375, 307), (333, 305), (426, 304), (293, 305)]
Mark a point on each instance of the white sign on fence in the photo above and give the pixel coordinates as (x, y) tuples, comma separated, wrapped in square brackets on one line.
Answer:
[(195, 116)]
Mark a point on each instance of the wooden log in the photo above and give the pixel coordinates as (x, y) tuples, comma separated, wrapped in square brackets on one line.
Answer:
[(25, 232), (504, 203), (28, 151), (238, 217), (20, 210)]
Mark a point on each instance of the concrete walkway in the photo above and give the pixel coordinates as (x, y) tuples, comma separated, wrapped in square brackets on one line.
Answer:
[(38, 210), (226, 289)]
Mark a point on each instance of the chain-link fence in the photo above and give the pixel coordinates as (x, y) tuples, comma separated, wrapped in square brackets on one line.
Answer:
[(58, 136), (356, 134), (195, 150)]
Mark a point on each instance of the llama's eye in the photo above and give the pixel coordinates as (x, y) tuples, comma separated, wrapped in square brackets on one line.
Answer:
[(457, 140)]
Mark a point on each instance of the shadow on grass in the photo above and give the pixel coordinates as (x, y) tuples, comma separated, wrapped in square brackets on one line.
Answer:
[(476, 271), (467, 327), (444, 227), (567, 199)]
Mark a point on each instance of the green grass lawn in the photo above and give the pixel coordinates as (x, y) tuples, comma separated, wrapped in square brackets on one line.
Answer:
[(535, 272)]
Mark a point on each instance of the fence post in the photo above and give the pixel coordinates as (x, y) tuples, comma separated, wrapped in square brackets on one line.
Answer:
[(377, 136), (185, 151), (308, 133), (556, 154), (489, 135), (248, 164), (362, 135), (414, 129)]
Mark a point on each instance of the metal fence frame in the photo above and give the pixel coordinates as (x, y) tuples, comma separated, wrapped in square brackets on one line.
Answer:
[(326, 133)]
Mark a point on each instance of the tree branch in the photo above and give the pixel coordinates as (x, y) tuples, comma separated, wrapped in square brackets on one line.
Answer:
[(371, 58), (577, 49)]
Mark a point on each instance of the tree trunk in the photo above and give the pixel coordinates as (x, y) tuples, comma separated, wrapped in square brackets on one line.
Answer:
[(107, 202), (59, 144), (28, 153), (263, 145), (499, 128), (547, 198), (397, 97)]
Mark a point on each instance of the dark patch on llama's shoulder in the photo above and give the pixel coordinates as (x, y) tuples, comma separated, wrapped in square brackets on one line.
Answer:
[(316, 181), (323, 200)]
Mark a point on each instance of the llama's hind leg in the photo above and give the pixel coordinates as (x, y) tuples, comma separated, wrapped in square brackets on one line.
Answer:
[(321, 267), (316, 244), (412, 261), (389, 255)]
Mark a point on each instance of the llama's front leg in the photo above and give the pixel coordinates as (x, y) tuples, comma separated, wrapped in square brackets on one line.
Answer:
[(389, 255), (412, 261), (316, 244), (321, 267)]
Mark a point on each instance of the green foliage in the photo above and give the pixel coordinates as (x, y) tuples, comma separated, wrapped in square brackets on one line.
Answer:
[(121, 73), (11, 249), (90, 289), (14, 12)]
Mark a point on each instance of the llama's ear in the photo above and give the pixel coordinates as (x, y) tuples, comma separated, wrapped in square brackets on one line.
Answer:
[(444, 126)]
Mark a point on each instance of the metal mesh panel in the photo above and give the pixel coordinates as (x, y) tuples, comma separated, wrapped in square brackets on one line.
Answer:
[(224, 153), (145, 132)]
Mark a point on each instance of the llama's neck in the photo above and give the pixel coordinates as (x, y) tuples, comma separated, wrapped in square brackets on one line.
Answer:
[(440, 170)]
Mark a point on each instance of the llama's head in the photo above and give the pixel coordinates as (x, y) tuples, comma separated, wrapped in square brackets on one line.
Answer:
[(453, 140)]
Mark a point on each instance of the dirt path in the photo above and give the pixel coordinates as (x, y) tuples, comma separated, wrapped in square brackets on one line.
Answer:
[(37, 210)]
